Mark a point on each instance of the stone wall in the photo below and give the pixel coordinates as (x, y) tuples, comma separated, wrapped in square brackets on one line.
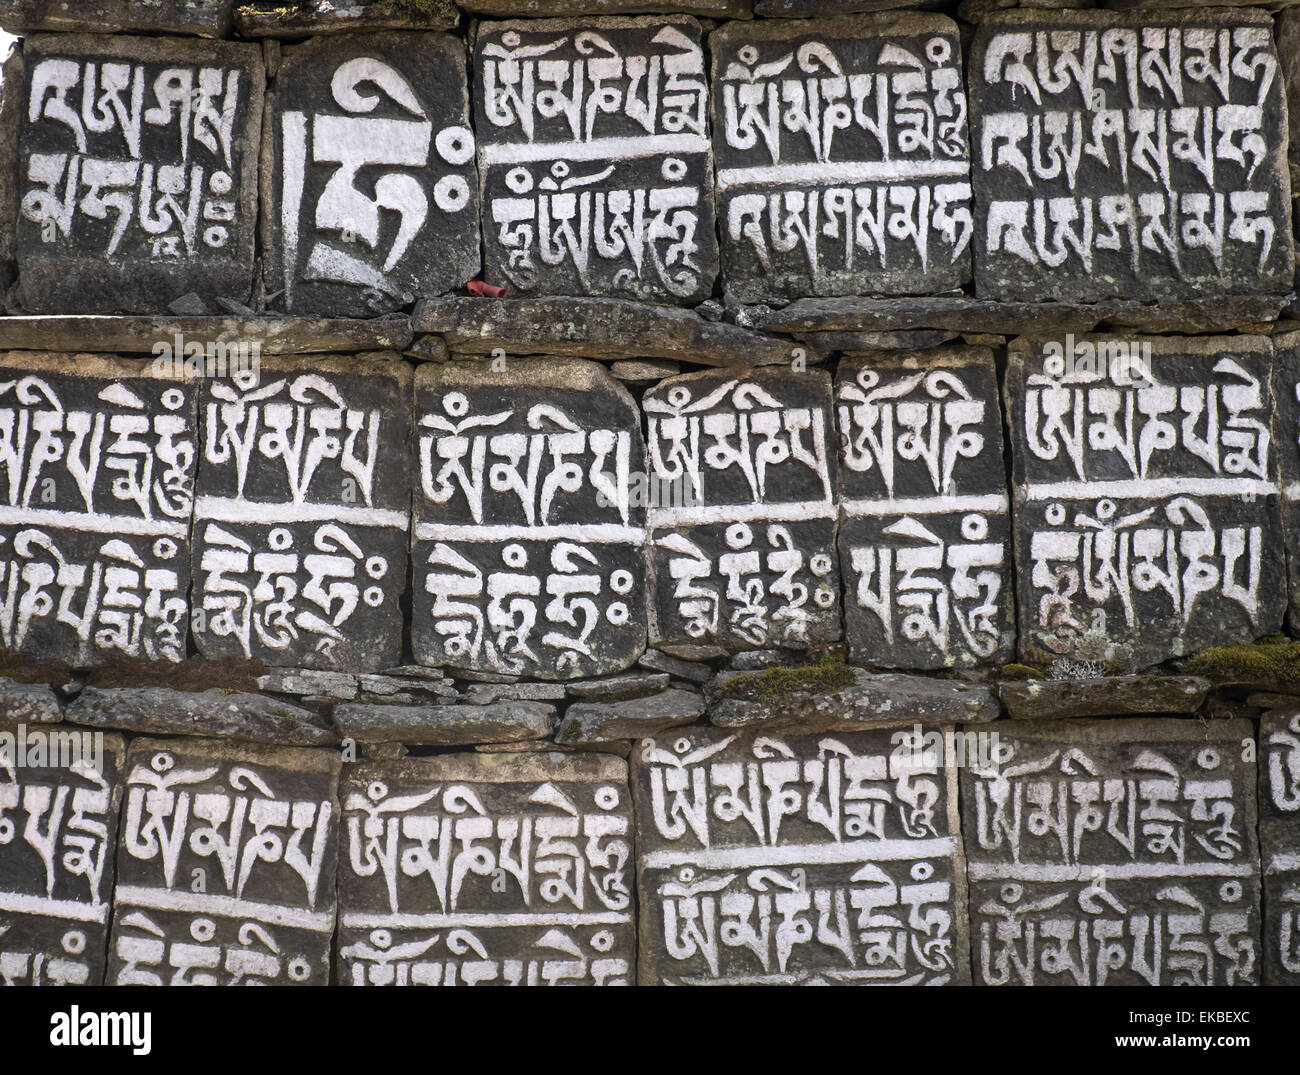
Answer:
[(661, 493)]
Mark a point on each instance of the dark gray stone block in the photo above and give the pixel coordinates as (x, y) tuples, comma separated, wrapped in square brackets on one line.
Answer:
[(1279, 838)]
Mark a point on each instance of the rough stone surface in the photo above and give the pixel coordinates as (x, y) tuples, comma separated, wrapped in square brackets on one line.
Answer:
[(215, 714), (957, 313), (308, 681), (205, 18), (147, 201), (1037, 699), (27, 703), (594, 157), (368, 179), (717, 9), (1279, 837), (301, 522), (1286, 28), (757, 857), (742, 547), (205, 899), (864, 191), (658, 661), (646, 371), (798, 9), (1159, 206), (595, 328), (1138, 835), (634, 718), (925, 533), (11, 118), (539, 847), (444, 725), (904, 340), (1286, 393), (95, 508), (56, 868), (1145, 495), (529, 526), (618, 688), (274, 18), (488, 693), (1221, 313)]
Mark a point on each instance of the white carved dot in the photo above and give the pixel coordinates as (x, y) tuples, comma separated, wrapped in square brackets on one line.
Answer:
[(299, 969), (373, 596), (1011, 893), (74, 942), (1054, 365), (376, 567), (560, 169), (216, 236), (1106, 509), (682, 745), (922, 871), (621, 581), (819, 564), (938, 50), (510, 39), (451, 193), (739, 536), (164, 548), (602, 940), (456, 404), (220, 182), (381, 938), (607, 796), (679, 396), (1230, 891), (280, 538), (673, 169), (514, 556), (161, 763), (203, 929), (824, 597), (1055, 514), (173, 399), (376, 790), (1208, 758), (245, 380), (617, 614), (519, 180), (455, 145), (686, 874)]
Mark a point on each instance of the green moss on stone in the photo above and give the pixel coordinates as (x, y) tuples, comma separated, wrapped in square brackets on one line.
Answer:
[(1269, 660), (829, 675), (1020, 671)]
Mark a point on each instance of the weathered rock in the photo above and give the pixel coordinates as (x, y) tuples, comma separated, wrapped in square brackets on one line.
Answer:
[(489, 693), (757, 660), (925, 533), (95, 509), (1129, 218), (799, 9), (1222, 313), (717, 9), (27, 703), (688, 652), (215, 714), (382, 686), (396, 108), (540, 573), (12, 82), (1037, 699), (1143, 531), (1139, 834), (207, 900), (787, 830), (303, 512), (611, 192), (1286, 385), (1286, 28), (618, 688), (865, 701), (205, 18), (274, 18), (309, 681), (444, 725), (533, 908), (645, 371), (595, 328), (958, 314), (634, 718), (658, 661), (56, 871), (1279, 839), (905, 340), (170, 206), (811, 206)]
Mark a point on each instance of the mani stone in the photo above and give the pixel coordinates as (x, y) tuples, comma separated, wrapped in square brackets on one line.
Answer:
[(529, 520), (204, 18), (925, 533), (1103, 696), (226, 864), (1114, 853), (369, 174), (1279, 837), (445, 725), (138, 165), (1287, 29), (1133, 155), (799, 860), (273, 18), (487, 869), (742, 523), (11, 112), (97, 455), (1286, 394), (1146, 501), (300, 526), (594, 158), (60, 795), (842, 156)]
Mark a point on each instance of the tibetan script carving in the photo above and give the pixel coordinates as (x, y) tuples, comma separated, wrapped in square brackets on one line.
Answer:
[(1279, 837)]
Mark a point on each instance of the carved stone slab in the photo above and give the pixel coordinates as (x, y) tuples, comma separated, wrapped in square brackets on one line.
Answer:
[(842, 156), (97, 463), (137, 172), (1114, 853), (300, 528), (1133, 155), (829, 859), (1279, 838), (529, 520), (474, 869), (925, 530), (207, 18), (594, 157), (1146, 506), (225, 866), (60, 791), (373, 193), (1286, 394), (743, 525)]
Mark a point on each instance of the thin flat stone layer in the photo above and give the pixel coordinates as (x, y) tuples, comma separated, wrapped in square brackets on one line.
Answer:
[(1038, 699), (273, 18), (205, 18), (717, 9), (1279, 838), (959, 313), (478, 869)]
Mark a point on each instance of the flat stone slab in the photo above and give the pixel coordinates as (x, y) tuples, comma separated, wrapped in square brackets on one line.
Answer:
[(153, 194), (925, 531), (742, 534), (958, 314), (1106, 853), (445, 725), (717, 9), (1221, 313), (595, 328), (205, 18), (904, 340), (863, 186), (302, 518), (370, 196), (1134, 155), (1145, 496), (98, 457), (1037, 699), (798, 860), (273, 18), (594, 157), (60, 796), (529, 522), (216, 714), (691, 671), (799, 9), (226, 865), (1279, 838), (487, 869), (27, 703), (633, 718)]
